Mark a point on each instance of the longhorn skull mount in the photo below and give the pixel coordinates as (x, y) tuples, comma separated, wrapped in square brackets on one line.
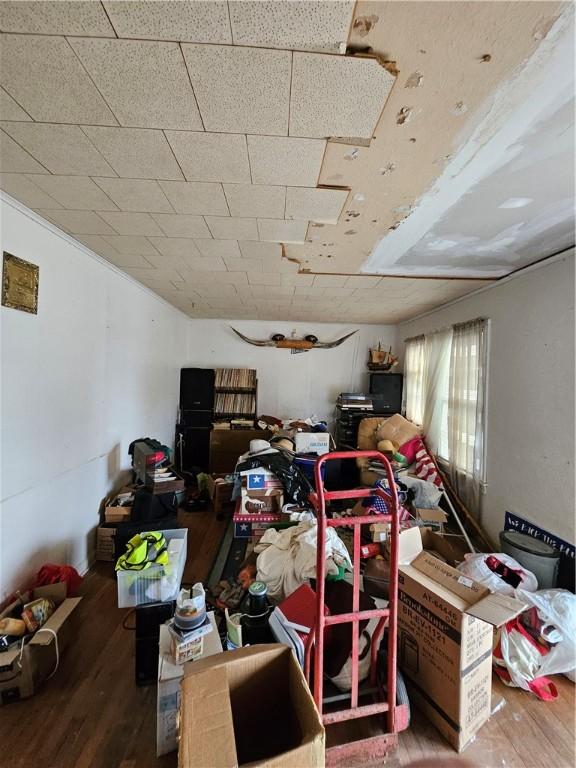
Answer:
[(279, 341)]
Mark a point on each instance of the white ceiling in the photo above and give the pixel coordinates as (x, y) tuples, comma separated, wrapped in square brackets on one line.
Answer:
[(187, 143)]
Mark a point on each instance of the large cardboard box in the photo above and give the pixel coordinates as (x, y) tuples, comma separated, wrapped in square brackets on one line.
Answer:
[(22, 672), (170, 677), (267, 502), (445, 623), (249, 707)]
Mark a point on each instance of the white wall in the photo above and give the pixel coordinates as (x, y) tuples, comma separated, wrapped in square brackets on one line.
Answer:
[(96, 368), (290, 386), (530, 417)]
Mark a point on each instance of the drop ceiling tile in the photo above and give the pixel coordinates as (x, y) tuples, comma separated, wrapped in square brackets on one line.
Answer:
[(198, 197), (362, 281), (241, 90), (47, 80), (62, 149), (323, 205), (182, 225), (65, 17), (132, 260), (138, 153), (258, 250), (23, 189), (264, 278), (231, 228), (138, 195), (184, 20), (285, 161), (310, 25), (176, 247), (255, 200), (217, 290), (145, 83), (209, 279), (297, 280), (131, 223), (211, 156), (77, 193), (224, 249), (243, 265), (279, 231), (97, 244), (78, 222), (129, 245), (330, 281), (10, 109), (154, 275), (337, 95)]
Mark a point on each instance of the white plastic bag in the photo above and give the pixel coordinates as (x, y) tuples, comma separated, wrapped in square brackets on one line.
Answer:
[(557, 610), (475, 567)]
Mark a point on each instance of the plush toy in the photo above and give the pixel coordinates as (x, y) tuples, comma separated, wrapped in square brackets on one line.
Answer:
[(386, 447)]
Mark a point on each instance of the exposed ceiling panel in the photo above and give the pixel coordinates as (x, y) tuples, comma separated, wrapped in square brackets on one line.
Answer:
[(241, 90), (219, 209), (62, 149), (137, 153), (211, 156), (337, 95), (55, 17), (279, 160), (186, 20), (313, 25), (144, 82)]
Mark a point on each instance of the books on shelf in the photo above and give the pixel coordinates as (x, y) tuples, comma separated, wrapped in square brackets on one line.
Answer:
[(234, 403), (235, 378)]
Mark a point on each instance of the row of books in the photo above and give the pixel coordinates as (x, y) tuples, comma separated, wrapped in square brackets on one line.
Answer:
[(234, 424), (235, 378), (234, 403)]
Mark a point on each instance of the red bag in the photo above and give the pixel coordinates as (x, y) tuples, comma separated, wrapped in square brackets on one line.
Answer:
[(54, 574)]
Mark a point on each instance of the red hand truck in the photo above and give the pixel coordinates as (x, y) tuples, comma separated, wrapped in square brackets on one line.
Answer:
[(384, 702)]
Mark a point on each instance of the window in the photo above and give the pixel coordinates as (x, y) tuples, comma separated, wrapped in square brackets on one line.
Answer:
[(445, 376)]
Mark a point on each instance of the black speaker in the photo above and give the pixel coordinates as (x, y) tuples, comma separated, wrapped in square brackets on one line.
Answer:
[(148, 621), (386, 391), (192, 448), (197, 389)]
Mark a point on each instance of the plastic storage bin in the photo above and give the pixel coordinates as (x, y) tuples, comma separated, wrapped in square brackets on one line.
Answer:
[(157, 583)]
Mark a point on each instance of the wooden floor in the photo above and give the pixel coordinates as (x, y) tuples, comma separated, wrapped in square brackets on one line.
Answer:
[(92, 715)]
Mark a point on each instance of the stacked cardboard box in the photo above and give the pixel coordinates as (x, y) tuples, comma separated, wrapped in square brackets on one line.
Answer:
[(262, 492)]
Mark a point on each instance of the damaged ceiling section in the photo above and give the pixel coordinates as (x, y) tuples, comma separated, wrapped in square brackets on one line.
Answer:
[(262, 159)]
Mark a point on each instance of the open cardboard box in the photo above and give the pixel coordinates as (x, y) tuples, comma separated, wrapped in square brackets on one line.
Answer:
[(20, 676), (249, 707), (445, 632)]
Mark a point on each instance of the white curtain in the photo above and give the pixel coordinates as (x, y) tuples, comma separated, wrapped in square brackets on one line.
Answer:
[(466, 404), (436, 374), (414, 379)]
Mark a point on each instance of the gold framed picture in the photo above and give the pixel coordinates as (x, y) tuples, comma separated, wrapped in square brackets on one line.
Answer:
[(19, 284)]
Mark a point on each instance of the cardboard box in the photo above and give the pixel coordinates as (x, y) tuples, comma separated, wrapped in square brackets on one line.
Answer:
[(261, 502), (116, 514), (379, 531), (249, 707), (432, 518), (259, 479), (20, 676), (445, 623), (312, 442), (170, 676), (105, 543)]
